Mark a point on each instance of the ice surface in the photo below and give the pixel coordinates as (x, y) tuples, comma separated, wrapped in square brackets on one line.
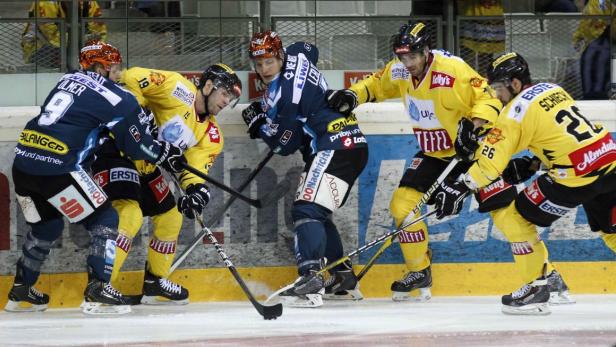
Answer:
[(443, 321)]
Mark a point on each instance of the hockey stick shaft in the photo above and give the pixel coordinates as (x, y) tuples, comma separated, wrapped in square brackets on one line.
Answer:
[(221, 212), (424, 199), (252, 202), (268, 312)]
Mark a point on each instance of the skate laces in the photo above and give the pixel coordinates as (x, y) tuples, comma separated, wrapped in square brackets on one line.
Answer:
[(412, 276), (111, 290), (521, 292), (36, 292), (170, 286)]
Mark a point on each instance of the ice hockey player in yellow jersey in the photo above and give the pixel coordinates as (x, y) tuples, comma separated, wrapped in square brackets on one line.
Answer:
[(183, 114), (448, 103), (580, 158)]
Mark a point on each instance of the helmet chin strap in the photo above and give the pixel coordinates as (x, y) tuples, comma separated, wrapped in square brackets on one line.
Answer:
[(203, 116)]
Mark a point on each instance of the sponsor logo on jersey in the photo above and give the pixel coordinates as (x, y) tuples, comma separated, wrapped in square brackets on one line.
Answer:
[(31, 138), (160, 188), (347, 142), (213, 133), (493, 189), (35, 156), (343, 134), (123, 174), (301, 73), (334, 191), (182, 93), (441, 79), (422, 113), (134, 132), (412, 237), (288, 75), (593, 156), (157, 78), (71, 204), (534, 194), (95, 194), (537, 89), (552, 208), (476, 82), (399, 72), (521, 248), (433, 140), (286, 136), (494, 136), (340, 123), (415, 163), (102, 178)]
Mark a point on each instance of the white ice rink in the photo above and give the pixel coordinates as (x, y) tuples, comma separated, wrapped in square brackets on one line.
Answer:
[(443, 321)]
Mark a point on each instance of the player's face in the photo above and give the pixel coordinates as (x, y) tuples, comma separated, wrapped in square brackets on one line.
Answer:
[(268, 68), (502, 92), (115, 72), (415, 62), (219, 99)]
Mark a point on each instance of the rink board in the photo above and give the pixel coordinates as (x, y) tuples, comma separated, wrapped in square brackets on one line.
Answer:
[(467, 249)]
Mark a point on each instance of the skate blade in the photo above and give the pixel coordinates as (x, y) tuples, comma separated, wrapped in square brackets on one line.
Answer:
[(541, 309), (23, 306), (561, 298), (417, 295), (303, 301), (100, 309), (353, 294), (161, 301)]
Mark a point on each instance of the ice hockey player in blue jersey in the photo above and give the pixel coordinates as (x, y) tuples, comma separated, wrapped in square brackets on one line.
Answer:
[(293, 115), (51, 177)]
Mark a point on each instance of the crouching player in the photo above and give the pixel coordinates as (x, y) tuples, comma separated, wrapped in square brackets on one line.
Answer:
[(51, 179), (580, 158), (182, 114)]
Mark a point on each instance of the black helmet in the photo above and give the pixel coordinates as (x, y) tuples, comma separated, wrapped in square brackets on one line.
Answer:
[(508, 66), (411, 37), (222, 76)]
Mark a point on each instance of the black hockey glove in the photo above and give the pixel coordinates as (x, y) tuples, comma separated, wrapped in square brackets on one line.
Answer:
[(341, 100), (170, 158), (520, 169), (254, 117), (449, 198), (466, 140), (196, 198)]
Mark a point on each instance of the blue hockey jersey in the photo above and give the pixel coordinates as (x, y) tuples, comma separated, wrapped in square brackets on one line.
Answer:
[(298, 115), (82, 105)]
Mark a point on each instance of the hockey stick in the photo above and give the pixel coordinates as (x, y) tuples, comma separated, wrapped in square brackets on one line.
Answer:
[(268, 312), (221, 212), (252, 202), (424, 199), (360, 250)]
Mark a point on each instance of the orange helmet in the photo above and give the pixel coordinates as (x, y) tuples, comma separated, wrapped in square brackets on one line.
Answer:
[(266, 44), (99, 52)]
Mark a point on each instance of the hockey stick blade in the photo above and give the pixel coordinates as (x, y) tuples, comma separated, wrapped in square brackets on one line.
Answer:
[(268, 312), (233, 192), (360, 250)]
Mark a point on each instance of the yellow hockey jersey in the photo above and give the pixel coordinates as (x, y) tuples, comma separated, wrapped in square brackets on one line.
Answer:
[(449, 91), (545, 120), (171, 97), (590, 29)]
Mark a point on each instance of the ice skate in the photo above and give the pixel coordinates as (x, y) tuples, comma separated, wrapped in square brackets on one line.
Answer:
[(161, 291), (342, 285), (100, 298), (559, 291), (23, 298), (306, 291), (530, 299), (414, 280)]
